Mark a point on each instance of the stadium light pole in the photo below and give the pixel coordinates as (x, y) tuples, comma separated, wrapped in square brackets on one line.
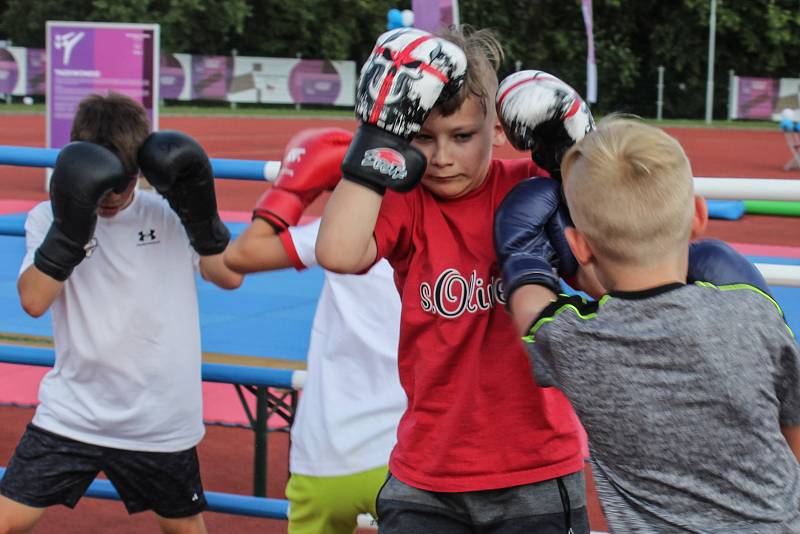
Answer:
[(712, 35)]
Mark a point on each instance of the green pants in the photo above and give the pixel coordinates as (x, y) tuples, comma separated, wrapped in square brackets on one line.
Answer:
[(330, 505)]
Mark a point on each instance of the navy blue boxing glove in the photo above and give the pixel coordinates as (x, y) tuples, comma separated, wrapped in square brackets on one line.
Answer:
[(529, 237), (716, 262)]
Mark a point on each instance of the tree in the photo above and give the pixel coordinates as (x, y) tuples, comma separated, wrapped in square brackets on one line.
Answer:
[(200, 26)]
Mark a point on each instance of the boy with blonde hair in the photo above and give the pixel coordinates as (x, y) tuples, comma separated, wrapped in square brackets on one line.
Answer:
[(480, 446), (690, 393)]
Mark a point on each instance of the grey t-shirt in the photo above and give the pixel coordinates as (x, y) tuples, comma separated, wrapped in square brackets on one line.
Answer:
[(682, 391)]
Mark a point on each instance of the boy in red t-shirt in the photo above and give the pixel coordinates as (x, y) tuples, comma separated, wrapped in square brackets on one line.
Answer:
[(480, 445)]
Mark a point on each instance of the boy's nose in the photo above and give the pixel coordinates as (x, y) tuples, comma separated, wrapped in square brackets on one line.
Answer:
[(441, 156)]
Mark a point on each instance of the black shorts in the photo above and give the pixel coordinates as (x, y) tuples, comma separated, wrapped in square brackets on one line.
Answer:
[(49, 469)]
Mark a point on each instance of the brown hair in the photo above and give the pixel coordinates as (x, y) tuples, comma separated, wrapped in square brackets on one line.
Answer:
[(484, 56), (116, 122)]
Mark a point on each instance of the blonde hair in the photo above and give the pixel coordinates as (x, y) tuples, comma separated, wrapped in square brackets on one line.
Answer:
[(484, 56), (630, 191)]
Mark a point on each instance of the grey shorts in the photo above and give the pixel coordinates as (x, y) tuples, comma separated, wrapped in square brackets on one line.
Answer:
[(549, 507), (49, 469)]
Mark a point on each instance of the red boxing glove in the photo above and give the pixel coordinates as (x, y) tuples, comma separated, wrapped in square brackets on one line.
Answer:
[(311, 164)]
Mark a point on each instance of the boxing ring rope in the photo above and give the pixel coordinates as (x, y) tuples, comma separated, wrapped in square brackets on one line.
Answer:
[(715, 188), (211, 372), (239, 169)]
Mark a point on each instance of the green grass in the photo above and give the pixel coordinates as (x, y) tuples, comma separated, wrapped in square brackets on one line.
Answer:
[(320, 112), (692, 123)]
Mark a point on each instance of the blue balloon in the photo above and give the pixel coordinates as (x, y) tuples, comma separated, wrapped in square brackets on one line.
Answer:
[(394, 19), (787, 125)]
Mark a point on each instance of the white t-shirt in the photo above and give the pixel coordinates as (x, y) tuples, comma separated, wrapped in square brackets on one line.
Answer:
[(127, 334), (352, 400)]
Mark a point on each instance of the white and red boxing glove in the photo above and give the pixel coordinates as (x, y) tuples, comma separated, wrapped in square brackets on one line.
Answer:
[(407, 74), (543, 115), (311, 164)]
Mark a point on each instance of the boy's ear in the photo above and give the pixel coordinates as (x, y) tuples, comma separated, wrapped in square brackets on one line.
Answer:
[(579, 246), (700, 220), (498, 134)]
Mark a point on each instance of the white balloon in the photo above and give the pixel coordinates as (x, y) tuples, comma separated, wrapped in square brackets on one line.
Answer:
[(408, 17)]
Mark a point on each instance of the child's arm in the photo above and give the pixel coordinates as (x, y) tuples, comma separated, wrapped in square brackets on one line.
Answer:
[(545, 116), (179, 169), (214, 270), (527, 303), (258, 248), (792, 435), (531, 248), (392, 107), (37, 291), (311, 165), (345, 243), (83, 174)]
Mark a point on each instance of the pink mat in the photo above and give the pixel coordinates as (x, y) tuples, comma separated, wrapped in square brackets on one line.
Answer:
[(19, 384), (16, 206), (767, 250)]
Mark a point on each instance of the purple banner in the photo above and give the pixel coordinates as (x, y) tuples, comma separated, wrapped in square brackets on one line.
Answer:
[(314, 82), (211, 76), (37, 65), (757, 98), (172, 77), (86, 58), (9, 71), (433, 15)]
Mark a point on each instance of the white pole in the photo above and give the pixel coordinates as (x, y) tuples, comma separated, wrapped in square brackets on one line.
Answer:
[(780, 275), (712, 34), (747, 189)]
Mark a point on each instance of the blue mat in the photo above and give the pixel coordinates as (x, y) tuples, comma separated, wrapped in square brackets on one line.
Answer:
[(730, 210), (269, 316)]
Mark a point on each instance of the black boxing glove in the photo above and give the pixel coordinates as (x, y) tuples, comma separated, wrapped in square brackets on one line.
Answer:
[(83, 174), (178, 168), (407, 74)]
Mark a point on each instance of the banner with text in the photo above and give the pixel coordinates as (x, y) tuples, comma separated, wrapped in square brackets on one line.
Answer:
[(763, 98), (97, 57), (185, 77), (433, 15)]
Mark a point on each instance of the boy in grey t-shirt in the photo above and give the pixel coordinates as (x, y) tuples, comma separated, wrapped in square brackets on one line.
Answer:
[(690, 393)]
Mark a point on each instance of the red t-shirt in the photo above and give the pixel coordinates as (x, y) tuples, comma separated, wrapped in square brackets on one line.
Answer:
[(475, 419)]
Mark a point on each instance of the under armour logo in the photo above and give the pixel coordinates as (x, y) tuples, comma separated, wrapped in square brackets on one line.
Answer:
[(67, 41), (147, 237), (151, 235)]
